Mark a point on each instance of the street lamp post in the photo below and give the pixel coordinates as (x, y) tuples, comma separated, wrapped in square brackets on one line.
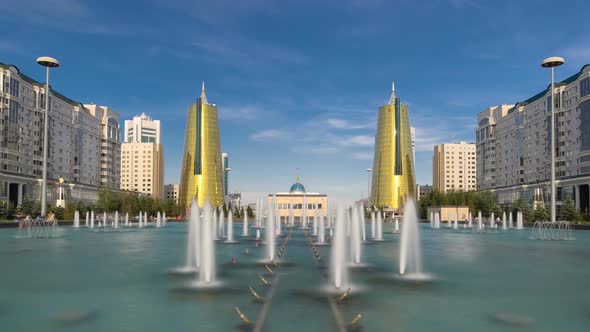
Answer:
[(47, 62), (552, 62), (369, 170)]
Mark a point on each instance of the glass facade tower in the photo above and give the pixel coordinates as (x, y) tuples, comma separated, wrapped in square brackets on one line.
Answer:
[(393, 164), (202, 168)]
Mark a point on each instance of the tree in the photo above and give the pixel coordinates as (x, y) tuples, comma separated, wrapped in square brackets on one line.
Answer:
[(27, 206), (250, 212), (541, 214), (568, 211)]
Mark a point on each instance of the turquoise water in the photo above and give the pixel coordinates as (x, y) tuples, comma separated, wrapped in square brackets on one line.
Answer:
[(95, 281)]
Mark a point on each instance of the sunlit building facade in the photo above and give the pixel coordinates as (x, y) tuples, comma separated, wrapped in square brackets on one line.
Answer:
[(202, 169), (393, 164), (142, 163), (514, 145), (300, 202)]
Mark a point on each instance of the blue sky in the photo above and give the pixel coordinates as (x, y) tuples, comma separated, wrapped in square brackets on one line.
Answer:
[(298, 83)]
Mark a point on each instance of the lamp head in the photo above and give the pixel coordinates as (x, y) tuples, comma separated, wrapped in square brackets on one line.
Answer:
[(553, 61), (47, 61)]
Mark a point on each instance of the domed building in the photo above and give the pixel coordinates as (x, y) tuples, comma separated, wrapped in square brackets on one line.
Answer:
[(302, 202)]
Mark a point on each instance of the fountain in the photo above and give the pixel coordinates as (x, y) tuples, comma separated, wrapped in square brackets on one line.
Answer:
[(214, 224), (396, 229), (504, 220), (410, 257), (373, 230), (456, 221), (158, 220), (479, 220), (221, 224), (519, 220), (355, 236), (87, 218), (116, 222), (315, 222), (379, 227), (126, 219), (245, 224), (470, 220), (104, 219), (449, 220), (278, 223), (291, 216), (510, 221), (76, 219), (164, 218), (321, 232), (431, 219), (304, 213), (555, 231), (362, 223), (207, 249), (338, 270), (270, 234), (492, 220), (436, 220), (92, 219), (230, 228), (193, 240), (139, 223)]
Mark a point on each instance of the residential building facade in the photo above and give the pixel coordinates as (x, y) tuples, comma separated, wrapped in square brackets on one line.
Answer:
[(75, 136), (486, 145), (522, 145), (110, 145), (454, 167)]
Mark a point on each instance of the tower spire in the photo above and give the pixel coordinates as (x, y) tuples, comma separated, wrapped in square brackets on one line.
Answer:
[(297, 175), (203, 96), (392, 97)]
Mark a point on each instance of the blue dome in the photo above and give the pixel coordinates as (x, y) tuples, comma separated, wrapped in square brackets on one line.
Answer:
[(297, 188)]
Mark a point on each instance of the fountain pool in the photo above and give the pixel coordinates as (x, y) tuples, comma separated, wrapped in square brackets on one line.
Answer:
[(97, 281)]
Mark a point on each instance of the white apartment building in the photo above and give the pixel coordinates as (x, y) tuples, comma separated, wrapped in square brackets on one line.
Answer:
[(142, 159), (486, 145), (521, 162), (171, 192), (110, 146), (453, 167), (74, 142)]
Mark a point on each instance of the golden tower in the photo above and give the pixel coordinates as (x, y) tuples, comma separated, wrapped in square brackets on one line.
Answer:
[(201, 176), (393, 164)]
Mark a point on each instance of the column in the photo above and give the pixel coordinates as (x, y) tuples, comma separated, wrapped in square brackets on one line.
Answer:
[(19, 198), (577, 196)]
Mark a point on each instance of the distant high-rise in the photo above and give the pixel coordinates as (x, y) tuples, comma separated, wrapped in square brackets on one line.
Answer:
[(393, 163), (202, 168), (171, 192), (453, 167), (226, 169), (142, 163)]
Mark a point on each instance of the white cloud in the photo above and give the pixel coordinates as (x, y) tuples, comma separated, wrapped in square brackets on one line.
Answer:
[(269, 134), (357, 140), (337, 123), (239, 113), (362, 155)]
